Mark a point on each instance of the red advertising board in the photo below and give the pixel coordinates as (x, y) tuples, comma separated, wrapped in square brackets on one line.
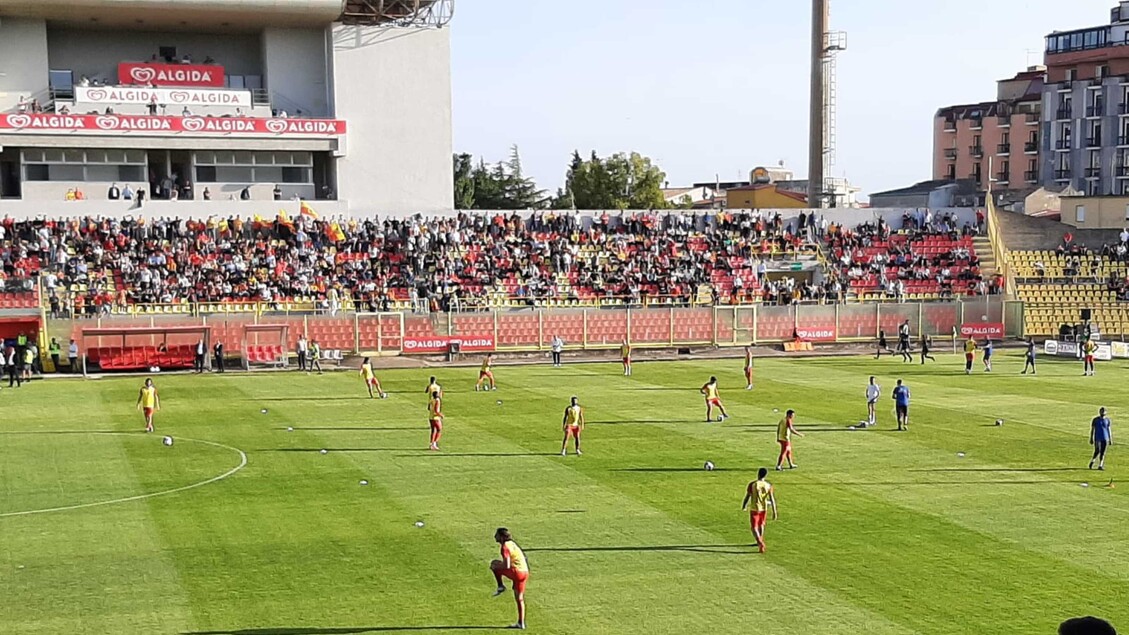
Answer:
[(438, 344), (46, 123), (152, 74), (988, 330), (817, 334)]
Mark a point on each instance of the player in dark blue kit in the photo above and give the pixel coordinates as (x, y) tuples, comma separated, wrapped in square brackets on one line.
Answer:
[(901, 405), (1029, 358), (987, 356), (1101, 437)]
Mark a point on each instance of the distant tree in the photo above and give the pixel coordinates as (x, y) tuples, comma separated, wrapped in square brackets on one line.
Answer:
[(622, 181), (464, 181)]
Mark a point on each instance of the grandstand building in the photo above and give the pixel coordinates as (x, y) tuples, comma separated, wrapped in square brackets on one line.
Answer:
[(339, 100)]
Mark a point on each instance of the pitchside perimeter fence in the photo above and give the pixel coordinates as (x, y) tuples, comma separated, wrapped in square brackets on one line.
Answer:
[(592, 328)]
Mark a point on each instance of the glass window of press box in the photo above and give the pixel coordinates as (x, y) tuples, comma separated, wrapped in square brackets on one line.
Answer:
[(254, 167), (57, 164)]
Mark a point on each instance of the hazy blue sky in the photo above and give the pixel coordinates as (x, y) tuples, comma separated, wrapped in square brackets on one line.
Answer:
[(720, 86)]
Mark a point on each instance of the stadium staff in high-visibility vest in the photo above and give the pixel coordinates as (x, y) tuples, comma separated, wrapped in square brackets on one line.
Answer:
[(54, 350)]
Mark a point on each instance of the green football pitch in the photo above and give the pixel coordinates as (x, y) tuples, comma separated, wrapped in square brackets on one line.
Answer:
[(957, 526)]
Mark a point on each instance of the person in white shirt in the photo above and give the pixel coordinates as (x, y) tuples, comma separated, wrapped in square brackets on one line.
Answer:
[(873, 391), (557, 347), (302, 348)]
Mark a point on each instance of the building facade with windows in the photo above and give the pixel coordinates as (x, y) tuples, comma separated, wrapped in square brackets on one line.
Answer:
[(993, 142), (1085, 124)]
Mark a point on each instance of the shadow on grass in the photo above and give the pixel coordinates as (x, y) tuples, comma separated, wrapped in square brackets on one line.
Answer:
[(640, 422), (310, 398), (736, 550), (341, 630), (676, 470), (491, 454), (317, 450), (359, 429), (805, 429), (1001, 469)]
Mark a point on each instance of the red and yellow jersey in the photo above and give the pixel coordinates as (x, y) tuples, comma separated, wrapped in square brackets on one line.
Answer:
[(748, 360), (625, 350), (435, 408), (761, 492), (366, 372), (434, 388), (784, 430), (1089, 347), (970, 346), (573, 415), (516, 555), (710, 391), (149, 397), (486, 364)]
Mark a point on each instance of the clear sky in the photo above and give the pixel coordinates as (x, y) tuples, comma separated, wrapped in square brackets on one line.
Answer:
[(720, 86)]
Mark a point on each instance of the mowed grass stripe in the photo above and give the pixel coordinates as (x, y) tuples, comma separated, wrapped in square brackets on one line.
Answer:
[(96, 570)]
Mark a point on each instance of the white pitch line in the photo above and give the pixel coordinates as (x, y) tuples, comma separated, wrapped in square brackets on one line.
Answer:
[(242, 464)]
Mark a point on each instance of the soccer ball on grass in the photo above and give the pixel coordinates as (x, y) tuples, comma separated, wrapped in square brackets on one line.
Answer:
[(167, 440), (708, 466)]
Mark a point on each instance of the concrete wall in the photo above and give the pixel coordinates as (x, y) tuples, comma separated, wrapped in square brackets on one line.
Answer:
[(1106, 212), (393, 85), (97, 54), (23, 60), (295, 69)]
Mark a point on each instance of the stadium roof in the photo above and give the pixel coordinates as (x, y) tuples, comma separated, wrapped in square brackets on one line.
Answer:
[(227, 15)]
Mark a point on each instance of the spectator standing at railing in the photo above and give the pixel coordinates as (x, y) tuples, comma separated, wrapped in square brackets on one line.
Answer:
[(201, 353), (303, 348), (72, 356)]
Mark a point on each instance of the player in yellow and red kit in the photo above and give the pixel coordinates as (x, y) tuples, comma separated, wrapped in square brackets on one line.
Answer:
[(713, 400), (435, 418), (573, 424), (625, 355), (748, 368), (148, 402), (485, 374), (513, 566), (371, 382), (763, 496)]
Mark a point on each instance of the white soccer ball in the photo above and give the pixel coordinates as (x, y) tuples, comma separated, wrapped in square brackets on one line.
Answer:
[(999, 422), (264, 411), (708, 466), (419, 523), (364, 482), (289, 429), (167, 440), (325, 451), (960, 454), (499, 402), (383, 395), (719, 419)]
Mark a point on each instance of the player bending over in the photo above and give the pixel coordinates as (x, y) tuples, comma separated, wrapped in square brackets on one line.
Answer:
[(435, 419), (748, 368), (625, 354), (371, 382), (784, 431), (713, 400), (148, 402), (1101, 437), (485, 375), (573, 425), (763, 496), (1029, 358), (514, 567)]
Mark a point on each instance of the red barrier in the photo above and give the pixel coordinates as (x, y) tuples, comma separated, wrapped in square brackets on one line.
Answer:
[(41, 122), (990, 330), (438, 344)]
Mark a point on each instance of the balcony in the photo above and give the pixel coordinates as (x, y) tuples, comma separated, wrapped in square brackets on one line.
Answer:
[(976, 151), (1123, 140), (1062, 175), (1033, 118), (1097, 110), (1123, 109), (1064, 113), (976, 176), (1031, 147), (976, 123), (1122, 171), (1003, 121), (1002, 177), (1062, 144), (1031, 176), (1094, 142), (1093, 173), (950, 125), (1003, 148), (951, 154)]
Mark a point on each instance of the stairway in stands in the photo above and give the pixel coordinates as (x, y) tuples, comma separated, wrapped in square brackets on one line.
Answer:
[(988, 265)]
